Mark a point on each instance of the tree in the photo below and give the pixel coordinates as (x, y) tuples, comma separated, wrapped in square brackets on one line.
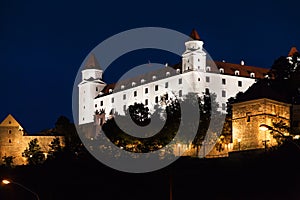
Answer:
[(8, 161), (55, 148), (33, 153), (139, 114)]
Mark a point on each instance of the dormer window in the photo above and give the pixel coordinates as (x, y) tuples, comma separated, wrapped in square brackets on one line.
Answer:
[(221, 70), (133, 84), (177, 71), (237, 72), (208, 68), (153, 77), (122, 87), (110, 90), (252, 75), (143, 81), (167, 73)]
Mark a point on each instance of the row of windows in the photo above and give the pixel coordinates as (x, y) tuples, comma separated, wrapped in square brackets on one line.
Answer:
[(223, 81), (146, 100), (223, 92)]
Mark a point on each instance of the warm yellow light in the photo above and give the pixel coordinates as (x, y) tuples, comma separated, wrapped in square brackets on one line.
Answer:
[(239, 140), (5, 181), (263, 127)]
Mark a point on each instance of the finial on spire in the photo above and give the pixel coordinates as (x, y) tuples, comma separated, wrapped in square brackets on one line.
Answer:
[(292, 51), (92, 62), (194, 35)]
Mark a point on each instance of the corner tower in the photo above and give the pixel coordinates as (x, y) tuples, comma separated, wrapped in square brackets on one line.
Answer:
[(90, 86), (194, 57)]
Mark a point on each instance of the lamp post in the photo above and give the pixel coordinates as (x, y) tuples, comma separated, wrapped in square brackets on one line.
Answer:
[(6, 182), (265, 127)]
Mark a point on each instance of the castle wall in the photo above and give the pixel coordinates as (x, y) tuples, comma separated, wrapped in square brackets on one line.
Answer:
[(248, 116)]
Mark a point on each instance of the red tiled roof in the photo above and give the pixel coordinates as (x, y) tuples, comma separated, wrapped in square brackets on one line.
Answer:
[(244, 70), (293, 51), (194, 35), (92, 62)]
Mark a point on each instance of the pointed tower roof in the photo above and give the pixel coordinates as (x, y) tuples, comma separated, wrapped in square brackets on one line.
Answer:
[(293, 51), (92, 62), (194, 35)]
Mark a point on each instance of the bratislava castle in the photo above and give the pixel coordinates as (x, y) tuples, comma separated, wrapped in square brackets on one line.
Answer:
[(196, 73)]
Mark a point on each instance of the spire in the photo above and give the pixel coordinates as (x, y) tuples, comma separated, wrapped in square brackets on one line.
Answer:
[(292, 51), (92, 62), (194, 35)]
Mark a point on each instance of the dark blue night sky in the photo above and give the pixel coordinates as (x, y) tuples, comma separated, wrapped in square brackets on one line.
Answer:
[(43, 43)]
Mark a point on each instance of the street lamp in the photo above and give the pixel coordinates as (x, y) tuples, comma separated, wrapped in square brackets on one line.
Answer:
[(265, 127), (6, 182)]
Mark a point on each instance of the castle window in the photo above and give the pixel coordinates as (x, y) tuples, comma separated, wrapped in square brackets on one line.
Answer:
[(9, 122), (122, 87), (223, 81), (221, 70), (223, 93), (83, 119), (146, 90), (248, 116), (237, 72), (207, 79), (9, 140), (101, 103), (110, 90), (167, 73), (208, 68), (188, 61), (9, 131), (156, 87), (153, 77), (223, 106), (166, 84), (95, 105), (156, 99), (167, 96), (240, 83), (135, 93), (252, 75), (146, 102), (180, 93), (124, 96), (133, 84), (180, 81), (112, 100), (198, 79), (143, 81), (177, 71), (124, 107), (198, 60), (83, 107), (96, 88)]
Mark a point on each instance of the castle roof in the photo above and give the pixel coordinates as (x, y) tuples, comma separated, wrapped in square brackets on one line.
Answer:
[(92, 62), (194, 35), (10, 121), (293, 51)]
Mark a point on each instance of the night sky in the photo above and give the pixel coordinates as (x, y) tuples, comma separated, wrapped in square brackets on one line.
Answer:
[(43, 43)]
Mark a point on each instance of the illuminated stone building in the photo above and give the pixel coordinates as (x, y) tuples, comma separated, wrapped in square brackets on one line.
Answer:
[(14, 140)]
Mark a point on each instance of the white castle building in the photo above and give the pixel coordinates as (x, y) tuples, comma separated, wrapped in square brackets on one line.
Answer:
[(194, 74)]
